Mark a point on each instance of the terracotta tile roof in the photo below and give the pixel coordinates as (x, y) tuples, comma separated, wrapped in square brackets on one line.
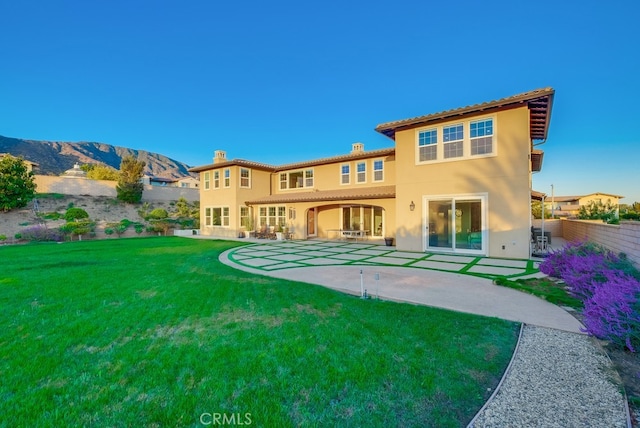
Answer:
[(233, 162), (539, 102), (303, 164), (537, 196), (341, 158), (380, 192)]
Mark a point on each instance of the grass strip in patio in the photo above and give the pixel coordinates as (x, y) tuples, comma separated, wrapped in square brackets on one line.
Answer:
[(157, 332)]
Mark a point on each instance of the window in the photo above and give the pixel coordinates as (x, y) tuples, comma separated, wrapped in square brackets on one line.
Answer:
[(345, 174), (481, 137), (378, 170), (296, 179), (428, 145), (453, 137), (216, 216), (227, 177), (272, 216), (207, 180), (245, 217), (216, 179), (361, 172), (245, 177)]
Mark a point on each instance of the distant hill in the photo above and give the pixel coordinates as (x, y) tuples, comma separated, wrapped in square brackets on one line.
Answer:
[(55, 157)]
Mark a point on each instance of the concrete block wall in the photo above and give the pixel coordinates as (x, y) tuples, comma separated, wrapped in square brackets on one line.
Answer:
[(85, 186), (550, 225), (619, 238)]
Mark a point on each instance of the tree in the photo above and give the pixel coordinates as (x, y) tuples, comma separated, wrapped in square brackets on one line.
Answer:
[(17, 186), (596, 210), (102, 172), (129, 187)]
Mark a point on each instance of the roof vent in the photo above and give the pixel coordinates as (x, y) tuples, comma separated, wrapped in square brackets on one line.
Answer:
[(357, 148), (219, 156)]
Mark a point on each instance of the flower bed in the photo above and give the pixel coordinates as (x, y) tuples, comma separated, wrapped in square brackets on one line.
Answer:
[(609, 287)]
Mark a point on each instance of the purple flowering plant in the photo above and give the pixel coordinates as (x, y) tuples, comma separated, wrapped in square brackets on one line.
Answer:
[(609, 287)]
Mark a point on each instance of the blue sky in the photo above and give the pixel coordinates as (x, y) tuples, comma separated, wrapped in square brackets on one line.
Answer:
[(285, 81)]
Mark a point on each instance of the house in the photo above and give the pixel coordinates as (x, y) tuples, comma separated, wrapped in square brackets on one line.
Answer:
[(183, 182), (30, 165), (569, 206), (457, 181)]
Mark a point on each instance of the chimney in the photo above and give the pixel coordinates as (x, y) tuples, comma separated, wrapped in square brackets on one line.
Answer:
[(219, 156), (357, 148)]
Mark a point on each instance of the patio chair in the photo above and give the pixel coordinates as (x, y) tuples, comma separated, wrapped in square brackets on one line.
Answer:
[(542, 244), (263, 232)]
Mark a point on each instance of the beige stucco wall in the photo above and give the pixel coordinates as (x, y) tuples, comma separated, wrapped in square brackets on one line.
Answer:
[(504, 179), (233, 197), (328, 177), (86, 186)]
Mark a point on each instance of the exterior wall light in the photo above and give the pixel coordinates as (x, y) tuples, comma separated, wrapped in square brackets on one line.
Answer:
[(412, 206)]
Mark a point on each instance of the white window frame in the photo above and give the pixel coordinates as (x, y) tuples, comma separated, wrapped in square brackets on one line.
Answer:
[(245, 215), (381, 170), (361, 176), (305, 181), (345, 177), (466, 141), (272, 215), (223, 215), (245, 182), (216, 179), (206, 178), (227, 177)]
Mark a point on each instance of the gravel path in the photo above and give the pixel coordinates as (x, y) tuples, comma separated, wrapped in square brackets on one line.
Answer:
[(557, 379)]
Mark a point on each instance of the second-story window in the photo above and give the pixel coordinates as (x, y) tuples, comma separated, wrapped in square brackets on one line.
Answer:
[(378, 170), (207, 180), (245, 177), (361, 172), (345, 174), (296, 179), (216, 179), (481, 137), (453, 137), (428, 145), (227, 177)]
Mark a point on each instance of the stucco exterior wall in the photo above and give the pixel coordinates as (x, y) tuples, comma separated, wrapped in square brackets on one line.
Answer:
[(619, 238), (503, 178), (233, 197)]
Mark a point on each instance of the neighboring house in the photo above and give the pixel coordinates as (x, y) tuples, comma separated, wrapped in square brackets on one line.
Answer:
[(30, 165), (569, 206), (184, 182), (457, 181)]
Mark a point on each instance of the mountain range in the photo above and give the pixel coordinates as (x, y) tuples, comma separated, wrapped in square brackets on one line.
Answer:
[(55, 157)]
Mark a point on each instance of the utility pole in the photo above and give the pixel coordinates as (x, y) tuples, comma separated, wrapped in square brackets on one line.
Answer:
[(553, 202)]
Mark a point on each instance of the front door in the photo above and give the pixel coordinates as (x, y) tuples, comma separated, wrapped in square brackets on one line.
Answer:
[(312, 230), (456, 224)]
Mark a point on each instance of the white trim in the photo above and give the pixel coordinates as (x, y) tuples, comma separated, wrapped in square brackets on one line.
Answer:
[(373, 170), (348, 165), (304, 179), (248, 178), (225, 178), (466, 141), (484, 206), (364, 162)]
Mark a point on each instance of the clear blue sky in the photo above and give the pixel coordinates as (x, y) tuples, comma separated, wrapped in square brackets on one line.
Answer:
[(285, 81)]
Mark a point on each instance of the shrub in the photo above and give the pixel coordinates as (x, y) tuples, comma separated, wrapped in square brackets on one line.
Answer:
[(3, 237), (158, 214), (41, 234), (74, 214), (613, 312), (108, 231), (609, 287)]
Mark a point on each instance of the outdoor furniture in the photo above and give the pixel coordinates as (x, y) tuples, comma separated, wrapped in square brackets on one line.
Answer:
[(354, 234)]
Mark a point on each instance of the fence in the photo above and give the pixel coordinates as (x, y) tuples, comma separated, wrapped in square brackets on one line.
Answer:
[(619, 238), (85, 186)]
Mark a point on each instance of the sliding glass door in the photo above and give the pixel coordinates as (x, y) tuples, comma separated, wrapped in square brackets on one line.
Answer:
[(455, 224)]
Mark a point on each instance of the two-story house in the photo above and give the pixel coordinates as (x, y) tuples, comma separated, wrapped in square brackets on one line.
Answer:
[(457, 181)]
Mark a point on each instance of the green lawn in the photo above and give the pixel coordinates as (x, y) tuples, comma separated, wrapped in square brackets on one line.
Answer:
[(157, 332)]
